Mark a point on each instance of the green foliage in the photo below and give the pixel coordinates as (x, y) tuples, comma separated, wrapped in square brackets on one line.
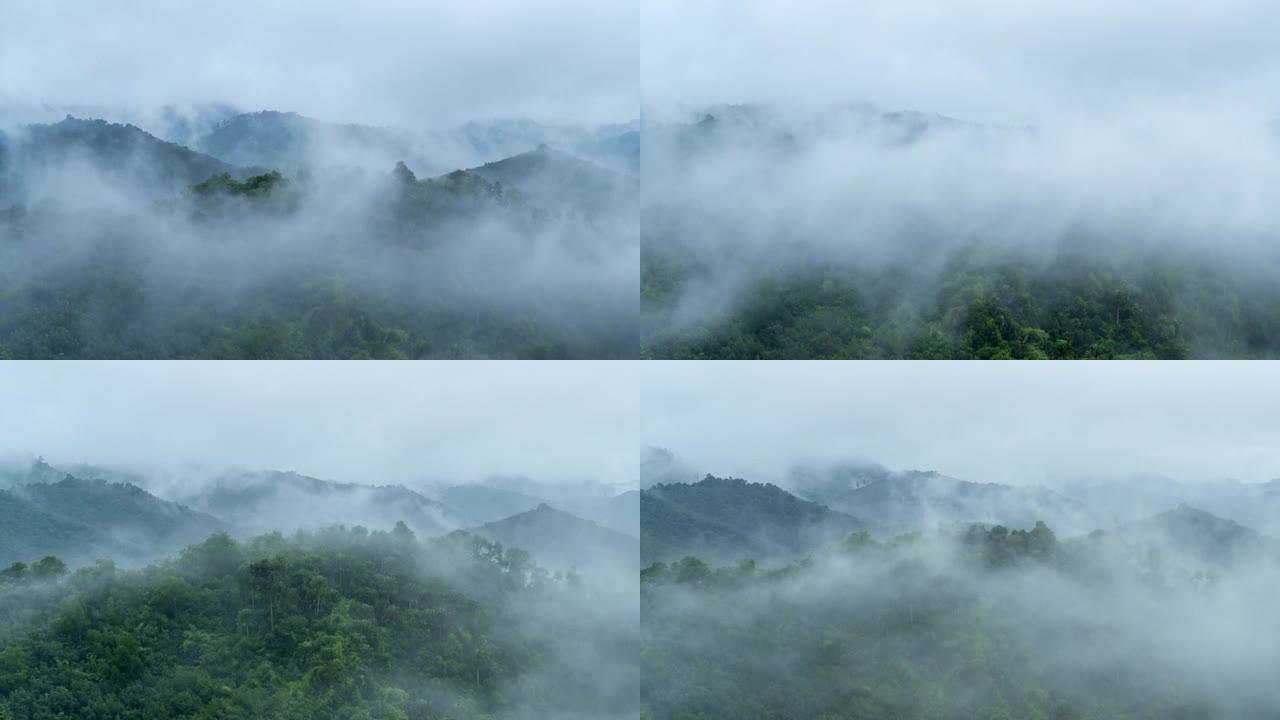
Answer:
[(724, 519), (81, 519), (48, 567), (980, 305), (337, 624)]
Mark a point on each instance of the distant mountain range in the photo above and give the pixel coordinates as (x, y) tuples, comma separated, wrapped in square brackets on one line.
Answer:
[(264, 501), (1195, 539), (591, 176), (722, 520), (894, 503), (119, 514), (288, 141)]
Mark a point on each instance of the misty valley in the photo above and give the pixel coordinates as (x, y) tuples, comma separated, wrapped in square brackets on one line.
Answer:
[(220, 234), (129, 594), (851, 231), (852, 591)]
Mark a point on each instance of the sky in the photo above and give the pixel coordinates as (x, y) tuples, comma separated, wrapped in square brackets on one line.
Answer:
[(349, 421), (402, 63), (997, 61), (994, 422)]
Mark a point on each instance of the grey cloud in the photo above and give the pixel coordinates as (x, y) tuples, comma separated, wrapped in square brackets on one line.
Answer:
[(998, 61)]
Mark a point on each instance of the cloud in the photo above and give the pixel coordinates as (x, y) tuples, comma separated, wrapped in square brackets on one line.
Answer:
[(998, 422), (394, 62), (1001, 61), (357, 422)]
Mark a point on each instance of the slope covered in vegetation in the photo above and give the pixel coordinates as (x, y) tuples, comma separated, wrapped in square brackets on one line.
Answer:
[(336, 624)]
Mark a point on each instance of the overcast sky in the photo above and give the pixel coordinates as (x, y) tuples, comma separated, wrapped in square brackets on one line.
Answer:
[(389, 62), (358, 421), (1003, 422), (1003, 61)]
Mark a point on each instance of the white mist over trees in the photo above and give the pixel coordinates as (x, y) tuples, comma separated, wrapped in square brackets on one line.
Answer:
[(1044, 541), (958, 180)]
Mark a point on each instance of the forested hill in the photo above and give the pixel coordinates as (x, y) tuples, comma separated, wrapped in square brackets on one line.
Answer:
[(900, 502), (287, 141), (272, 500), (988, 623), (564, 542), (724, 519), (555, 179), (336, 624), (1196, 537), (81, 520), (124, 153)]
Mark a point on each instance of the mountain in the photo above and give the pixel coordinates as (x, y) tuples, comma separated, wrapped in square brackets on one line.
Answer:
[(1116, 502), (177, 123), (616, 147), (479, 503), (287, 141), (81, 520), (894, 503), (123, 154), (601, 504), (723, 520), (556, 180), (560, 540), (721, 132), (272, 500), (1195, 539)]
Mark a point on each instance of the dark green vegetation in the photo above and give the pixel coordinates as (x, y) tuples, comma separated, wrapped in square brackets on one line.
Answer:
[(114, 244), (334, 624), (984, 623), (83, 519), (723, 519), (973, 307)]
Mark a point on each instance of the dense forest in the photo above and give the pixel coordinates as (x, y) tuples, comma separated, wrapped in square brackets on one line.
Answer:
[(982, 622), (975, 307), (339, 623)]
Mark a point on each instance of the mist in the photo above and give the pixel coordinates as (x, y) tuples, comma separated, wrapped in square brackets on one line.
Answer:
[(395, 539), (922, 181), (400, 182), (924, 540)]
